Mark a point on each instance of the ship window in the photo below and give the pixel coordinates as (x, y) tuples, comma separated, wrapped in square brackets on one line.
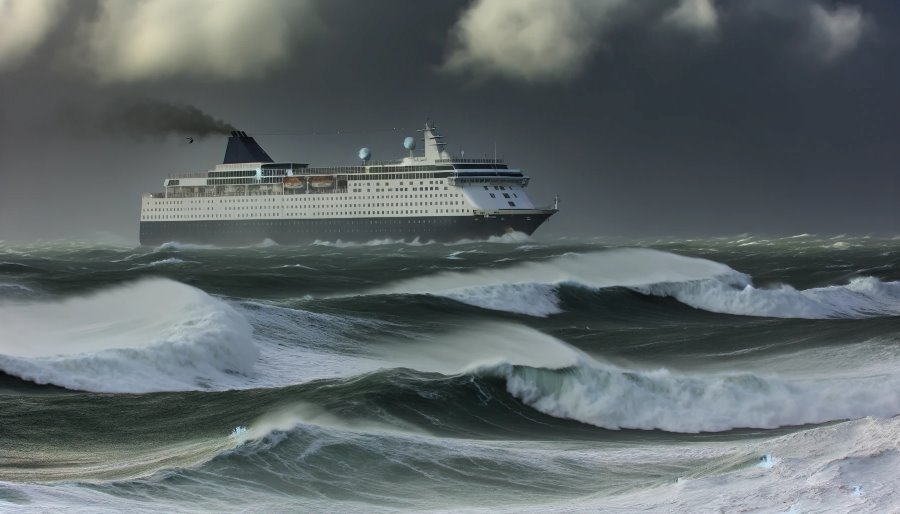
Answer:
[(493, 195), (511, 204)]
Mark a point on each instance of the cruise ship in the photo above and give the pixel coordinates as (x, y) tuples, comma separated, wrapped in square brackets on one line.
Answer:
[(426, 196)]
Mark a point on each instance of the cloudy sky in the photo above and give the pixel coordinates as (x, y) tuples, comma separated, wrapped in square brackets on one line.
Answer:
[(647, 117)]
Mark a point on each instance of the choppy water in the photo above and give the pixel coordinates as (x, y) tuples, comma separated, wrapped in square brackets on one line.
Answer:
[(738, 374)]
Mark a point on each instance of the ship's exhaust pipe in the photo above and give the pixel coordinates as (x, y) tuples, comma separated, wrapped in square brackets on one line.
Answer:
[(243, 148)]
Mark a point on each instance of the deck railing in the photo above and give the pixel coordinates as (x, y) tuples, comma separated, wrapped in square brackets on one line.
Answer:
[(485, 160), (267, 192)]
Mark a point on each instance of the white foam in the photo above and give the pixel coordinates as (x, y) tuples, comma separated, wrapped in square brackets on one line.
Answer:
[(174, 245), (612, 397), (171, 261), (530, 287), (526, 287), (539, 300), (457, 255), (266, 243), (150, 335), (373, 242), (862, 297), (295, 266), (507, 238), (818, 470), (298, 346), (822, 470), (767, 462), (560, 380)]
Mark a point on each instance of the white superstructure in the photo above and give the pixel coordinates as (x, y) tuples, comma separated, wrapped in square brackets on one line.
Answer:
[(432, 184)]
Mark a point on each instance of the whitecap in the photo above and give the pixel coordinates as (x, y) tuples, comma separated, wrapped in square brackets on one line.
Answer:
[(530, 287), (734, 294), (171, 261), (144, 336)]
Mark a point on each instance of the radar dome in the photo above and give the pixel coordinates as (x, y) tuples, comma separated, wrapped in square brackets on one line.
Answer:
[(365, 154), (409, 143)]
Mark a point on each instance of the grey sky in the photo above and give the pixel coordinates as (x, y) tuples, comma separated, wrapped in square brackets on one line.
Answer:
[(682, 117)]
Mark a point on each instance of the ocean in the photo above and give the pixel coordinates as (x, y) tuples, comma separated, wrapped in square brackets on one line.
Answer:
[(740, 374)]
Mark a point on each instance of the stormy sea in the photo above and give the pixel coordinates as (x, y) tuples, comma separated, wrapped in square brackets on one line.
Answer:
[(731, 374)]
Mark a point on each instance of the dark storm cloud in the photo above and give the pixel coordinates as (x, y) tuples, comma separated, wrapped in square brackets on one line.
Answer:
[(675, 119)]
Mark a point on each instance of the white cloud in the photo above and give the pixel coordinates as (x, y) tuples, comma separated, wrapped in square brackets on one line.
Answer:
[(145, 39), (529, 40), (836, 32), (553, 40), (25, 25), (695, 16)]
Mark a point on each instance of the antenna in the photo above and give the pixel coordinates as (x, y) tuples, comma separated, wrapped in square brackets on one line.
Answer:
[(495, 152)]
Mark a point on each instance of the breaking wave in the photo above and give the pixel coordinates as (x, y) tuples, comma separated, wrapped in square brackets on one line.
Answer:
[(614, 398), (539, 300), (563, 382), (559, 380), (862, 297), (150, 335), (532, 288)]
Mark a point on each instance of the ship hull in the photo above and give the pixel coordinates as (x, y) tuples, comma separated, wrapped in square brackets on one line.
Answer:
[(301, 231)]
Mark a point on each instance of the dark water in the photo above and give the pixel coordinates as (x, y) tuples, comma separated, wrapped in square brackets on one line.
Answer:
[(738, 374)]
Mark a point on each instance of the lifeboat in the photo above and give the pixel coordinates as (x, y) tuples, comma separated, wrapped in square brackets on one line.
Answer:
[(294, 183), (321, 182)]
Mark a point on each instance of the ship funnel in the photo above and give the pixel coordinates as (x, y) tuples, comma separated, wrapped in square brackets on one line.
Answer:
[(243, 148)]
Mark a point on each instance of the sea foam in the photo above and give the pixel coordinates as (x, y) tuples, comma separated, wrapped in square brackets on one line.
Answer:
[(150, 335), (531, 288), (563, 381), (612, 397), (862, 297)]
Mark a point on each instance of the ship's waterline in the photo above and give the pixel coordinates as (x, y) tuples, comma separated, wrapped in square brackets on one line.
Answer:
[(433, 196)]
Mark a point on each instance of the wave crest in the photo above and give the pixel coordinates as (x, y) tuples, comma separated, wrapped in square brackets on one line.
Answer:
[(532, 288), (862, 297), (614, 398), (150, 335)]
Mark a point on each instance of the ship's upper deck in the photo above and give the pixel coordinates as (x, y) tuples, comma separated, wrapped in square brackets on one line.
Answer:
[(406, 165), (247, 165), (244, 154)]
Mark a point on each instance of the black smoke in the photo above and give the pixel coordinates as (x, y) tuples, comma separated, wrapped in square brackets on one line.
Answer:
[(150, 117)]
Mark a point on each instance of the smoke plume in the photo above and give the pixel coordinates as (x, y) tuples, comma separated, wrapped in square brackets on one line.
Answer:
[(149, 117)]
